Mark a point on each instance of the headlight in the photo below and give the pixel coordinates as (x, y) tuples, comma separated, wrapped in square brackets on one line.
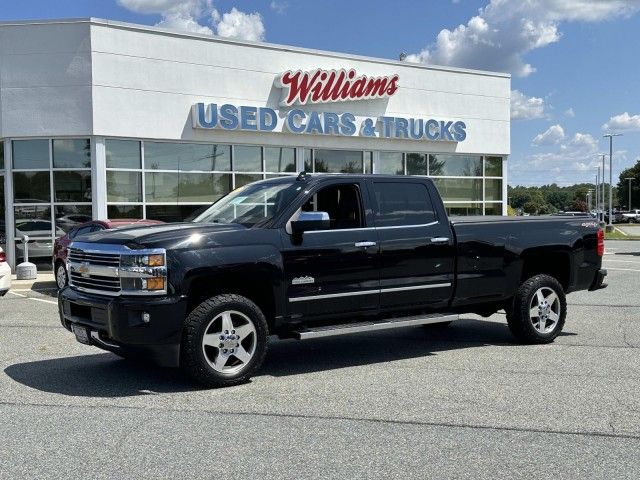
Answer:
[(144, 272)]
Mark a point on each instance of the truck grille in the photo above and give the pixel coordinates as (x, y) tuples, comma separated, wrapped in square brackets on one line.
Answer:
[(94, 272), (107, 259)]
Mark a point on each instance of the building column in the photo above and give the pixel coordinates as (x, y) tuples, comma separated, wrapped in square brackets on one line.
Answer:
[(9, 213), (98, 178), (505, 199)]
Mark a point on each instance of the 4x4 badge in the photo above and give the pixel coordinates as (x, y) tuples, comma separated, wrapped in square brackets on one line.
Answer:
[(302, 280)]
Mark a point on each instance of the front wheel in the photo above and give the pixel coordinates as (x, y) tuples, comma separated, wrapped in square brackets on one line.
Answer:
[(61, 276), (539, 310), (224, 341)]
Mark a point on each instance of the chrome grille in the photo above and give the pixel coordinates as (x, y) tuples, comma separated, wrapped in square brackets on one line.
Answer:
[(94, 271), (94, 258)]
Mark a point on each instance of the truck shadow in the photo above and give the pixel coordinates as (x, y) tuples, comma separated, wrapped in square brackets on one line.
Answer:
[(106, 375)]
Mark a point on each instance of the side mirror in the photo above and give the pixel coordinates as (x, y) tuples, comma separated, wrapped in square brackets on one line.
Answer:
[(309, 221)]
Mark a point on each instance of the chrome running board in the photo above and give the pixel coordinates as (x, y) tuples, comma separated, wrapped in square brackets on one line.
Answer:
[(370, 326)]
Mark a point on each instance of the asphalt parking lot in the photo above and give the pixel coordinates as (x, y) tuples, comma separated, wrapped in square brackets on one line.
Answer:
[(465, 402)]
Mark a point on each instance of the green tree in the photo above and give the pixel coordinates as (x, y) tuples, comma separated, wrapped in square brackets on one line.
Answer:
[(623, 187)]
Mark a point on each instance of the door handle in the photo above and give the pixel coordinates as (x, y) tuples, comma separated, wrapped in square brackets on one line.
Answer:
[(440, 240), (365, 244)]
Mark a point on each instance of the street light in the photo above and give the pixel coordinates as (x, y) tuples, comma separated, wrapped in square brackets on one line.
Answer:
[(629, 178), (597, 194), (603, 187), (611, 135)]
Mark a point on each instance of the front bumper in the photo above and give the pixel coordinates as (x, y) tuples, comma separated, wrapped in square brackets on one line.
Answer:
[(116, 324), (598, 281)]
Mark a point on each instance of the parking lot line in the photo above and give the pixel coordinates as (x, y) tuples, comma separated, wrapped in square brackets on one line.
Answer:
[(31, 298)]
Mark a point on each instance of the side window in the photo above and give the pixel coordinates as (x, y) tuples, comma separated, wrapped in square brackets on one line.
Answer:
[(343, 204), (96, 228), (402, 203), (83, 230)]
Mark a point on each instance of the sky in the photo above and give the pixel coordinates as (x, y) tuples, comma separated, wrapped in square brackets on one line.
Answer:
[(574, 63)]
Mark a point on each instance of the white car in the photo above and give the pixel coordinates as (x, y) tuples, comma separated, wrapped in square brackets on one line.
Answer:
[(5, 274), (632, 216)]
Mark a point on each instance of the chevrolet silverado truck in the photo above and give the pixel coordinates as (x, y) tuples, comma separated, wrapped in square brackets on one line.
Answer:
[(314, 256)]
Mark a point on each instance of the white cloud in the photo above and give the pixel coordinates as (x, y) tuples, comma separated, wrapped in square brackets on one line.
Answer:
[(504, 31), (526, 108), (237, 24), (569, 113), (552, 136), (623, 123), (573, 161), (278, 6), (200, 16)]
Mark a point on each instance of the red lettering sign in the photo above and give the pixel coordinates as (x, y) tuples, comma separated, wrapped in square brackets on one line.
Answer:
[(323, 86)]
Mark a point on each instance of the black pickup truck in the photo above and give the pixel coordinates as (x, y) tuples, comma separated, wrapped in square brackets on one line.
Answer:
[(313, 256)]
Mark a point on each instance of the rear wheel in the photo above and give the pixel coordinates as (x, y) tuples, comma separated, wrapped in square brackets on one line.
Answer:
[(224, 342), (539, 310)]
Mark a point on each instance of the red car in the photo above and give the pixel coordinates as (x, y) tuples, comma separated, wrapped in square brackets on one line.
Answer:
[(60, 247)]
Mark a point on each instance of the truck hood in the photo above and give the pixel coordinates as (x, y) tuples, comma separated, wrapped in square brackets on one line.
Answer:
[(168, 235)]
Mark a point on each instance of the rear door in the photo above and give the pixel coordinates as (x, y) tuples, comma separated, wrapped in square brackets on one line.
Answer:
[(416, 245), (334, 271)]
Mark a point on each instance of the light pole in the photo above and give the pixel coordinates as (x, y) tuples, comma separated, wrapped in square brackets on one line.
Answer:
[(597, 194), (589, 200), (629, 178), (603, 187), (610, 136)]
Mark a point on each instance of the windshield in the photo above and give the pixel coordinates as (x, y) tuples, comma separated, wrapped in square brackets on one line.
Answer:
[(252, 204)]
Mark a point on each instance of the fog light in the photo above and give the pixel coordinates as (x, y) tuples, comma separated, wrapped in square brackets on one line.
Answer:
[(155, 283), (146, 317), (155, 260)]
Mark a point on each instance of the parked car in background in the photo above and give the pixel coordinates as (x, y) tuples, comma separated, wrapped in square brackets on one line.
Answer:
[(632, 216), (618, 217), (5, 274), (39, 233), (60, 247), (572, 214)]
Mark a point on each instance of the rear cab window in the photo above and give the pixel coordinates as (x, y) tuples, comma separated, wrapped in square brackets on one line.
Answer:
[(402, 204)]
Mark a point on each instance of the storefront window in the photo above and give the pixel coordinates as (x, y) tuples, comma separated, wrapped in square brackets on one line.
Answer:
[(1, 155), (279, 159), (243, 179), (3, 231), (186, 156), (30, 154), (459, 189), (198, 187), (463, 209), (247, 158), (308, 162), (493, 189), (124, 211), (72, 186), (123, 154), (72, 153), (416, 164), (31, 187), (390, 163), (368, 162), (493, 166), (493, 209), (338, 161), (174, 213), (124, 187), (68, 216), (443, 165)]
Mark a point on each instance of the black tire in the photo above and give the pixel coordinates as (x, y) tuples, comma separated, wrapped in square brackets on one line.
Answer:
[(195, 360), (61, 273), (519, 319)]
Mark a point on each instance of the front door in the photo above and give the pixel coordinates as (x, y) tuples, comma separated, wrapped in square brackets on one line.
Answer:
[(334, 271), (416, 247)]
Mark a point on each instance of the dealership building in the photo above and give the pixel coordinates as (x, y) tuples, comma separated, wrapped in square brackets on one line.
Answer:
[(102, 119)]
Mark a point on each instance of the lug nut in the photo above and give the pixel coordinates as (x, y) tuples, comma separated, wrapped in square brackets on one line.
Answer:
[(221, 337), (224, 351), (231, 351), (227, 332), (221, 345), (233, 331), (237, 344)]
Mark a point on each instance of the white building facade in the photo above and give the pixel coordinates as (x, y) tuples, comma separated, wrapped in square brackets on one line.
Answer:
[(100, 119)]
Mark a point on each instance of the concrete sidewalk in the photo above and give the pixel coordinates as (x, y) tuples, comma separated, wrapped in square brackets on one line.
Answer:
[(44, 281)]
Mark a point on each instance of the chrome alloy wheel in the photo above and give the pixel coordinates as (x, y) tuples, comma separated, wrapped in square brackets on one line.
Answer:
[(61, 276), (229, 342), (545, 310)]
